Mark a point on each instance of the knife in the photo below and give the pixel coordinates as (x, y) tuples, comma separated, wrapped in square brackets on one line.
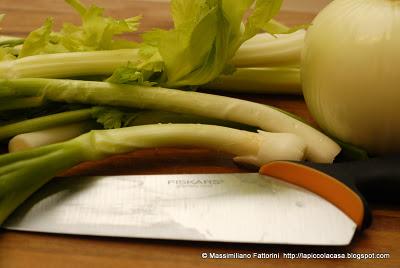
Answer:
[(286, 203)]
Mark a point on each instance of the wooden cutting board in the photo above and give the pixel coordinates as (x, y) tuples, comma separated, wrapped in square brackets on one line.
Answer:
[(19, 249)]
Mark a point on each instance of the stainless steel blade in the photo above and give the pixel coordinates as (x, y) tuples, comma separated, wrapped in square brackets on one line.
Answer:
[(248, 208)]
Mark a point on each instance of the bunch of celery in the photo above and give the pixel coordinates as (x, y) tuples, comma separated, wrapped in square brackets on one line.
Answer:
[(130, 88), (265, 63)]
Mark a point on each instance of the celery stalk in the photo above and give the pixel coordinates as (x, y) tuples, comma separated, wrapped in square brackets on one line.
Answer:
[(41, 131), (265, 50), (10, 41), (21, 174), (48, 136), (40, 123), (24, 172), (156, 117), (281, 80), (20, 103), (320, 148), (68, 64)]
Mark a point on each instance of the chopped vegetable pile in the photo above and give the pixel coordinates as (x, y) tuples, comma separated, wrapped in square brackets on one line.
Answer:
[(83, 93)]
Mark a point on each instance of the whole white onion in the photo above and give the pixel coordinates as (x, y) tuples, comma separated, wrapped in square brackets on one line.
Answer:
[(351, 72)]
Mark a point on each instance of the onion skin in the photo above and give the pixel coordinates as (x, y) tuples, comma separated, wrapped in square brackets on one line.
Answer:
[(350, 73)]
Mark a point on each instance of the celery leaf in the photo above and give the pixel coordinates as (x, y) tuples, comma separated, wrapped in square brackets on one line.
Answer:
[(6, 51), (97, 32), (39, 41), (206, 35), (131, 75), (112, 118)]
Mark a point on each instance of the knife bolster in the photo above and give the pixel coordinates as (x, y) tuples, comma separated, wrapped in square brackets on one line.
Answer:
[(321, 184)]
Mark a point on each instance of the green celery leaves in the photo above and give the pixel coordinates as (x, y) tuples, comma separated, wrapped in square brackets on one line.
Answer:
[(206, 36), (38, 41), (97, 32), (7, 43), (112, 118), (200, 47)]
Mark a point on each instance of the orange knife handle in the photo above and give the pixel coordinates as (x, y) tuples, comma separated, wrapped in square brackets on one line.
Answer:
[(343, 195)]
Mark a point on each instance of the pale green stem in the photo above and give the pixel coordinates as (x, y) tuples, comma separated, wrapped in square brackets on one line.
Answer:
[(25, 175), (25, 172), (275, 80), (10, 41), (157, 117), (20, 103), (40, 123), (320, 148), (70, 64), (49, 136), (265, 50)]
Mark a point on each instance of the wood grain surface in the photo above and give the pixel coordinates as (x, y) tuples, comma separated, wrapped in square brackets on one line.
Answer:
[(20, 249)]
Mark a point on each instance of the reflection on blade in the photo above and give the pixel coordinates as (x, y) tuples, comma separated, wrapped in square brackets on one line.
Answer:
[(246, 208)]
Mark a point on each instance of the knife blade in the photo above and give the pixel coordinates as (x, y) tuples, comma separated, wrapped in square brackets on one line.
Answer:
[(247, 208), (286, 203)]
